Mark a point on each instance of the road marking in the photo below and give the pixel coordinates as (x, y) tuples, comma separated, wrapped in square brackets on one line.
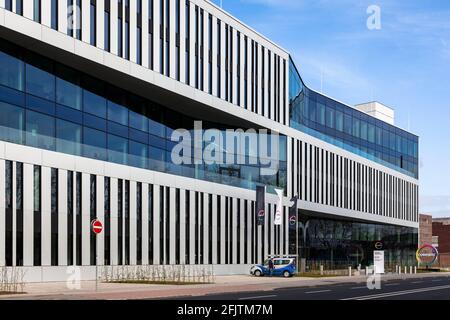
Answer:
[(354, 288), (398, 293), (436, 280), (418, 282), (320, 291), (392, 284), (258, 297)]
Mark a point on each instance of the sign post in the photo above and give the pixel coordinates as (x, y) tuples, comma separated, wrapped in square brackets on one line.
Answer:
[(97, 228), (378, 261)]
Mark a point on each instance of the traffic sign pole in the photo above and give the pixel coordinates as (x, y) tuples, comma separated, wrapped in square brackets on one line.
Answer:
[(97, 228)]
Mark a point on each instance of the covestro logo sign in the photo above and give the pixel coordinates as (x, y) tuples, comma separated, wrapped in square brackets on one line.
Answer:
[(427, 255)]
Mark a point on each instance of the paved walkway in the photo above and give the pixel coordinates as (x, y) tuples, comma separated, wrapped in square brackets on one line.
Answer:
[(223, 284)]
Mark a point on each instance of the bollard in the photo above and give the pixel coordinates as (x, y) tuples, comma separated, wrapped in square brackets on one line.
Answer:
[(406, 270), (349, 271), (410, 270), (396, 269), (321, 270), (367, 271), (415, 270), (399, 269)]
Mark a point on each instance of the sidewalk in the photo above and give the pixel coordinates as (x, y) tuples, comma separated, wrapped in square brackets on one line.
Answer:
[(223, 284)]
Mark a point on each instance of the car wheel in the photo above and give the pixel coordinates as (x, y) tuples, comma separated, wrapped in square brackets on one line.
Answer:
[(286, 274), (257, 273)]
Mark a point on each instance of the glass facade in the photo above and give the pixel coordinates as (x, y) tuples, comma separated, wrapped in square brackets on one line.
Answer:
[(342, 243), (47, 105), (351, 129)]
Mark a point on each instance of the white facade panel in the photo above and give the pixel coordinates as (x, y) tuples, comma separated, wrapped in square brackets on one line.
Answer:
[(114, 27), (46, 216), (62, 13), (46, 12), (85, 219), (183, 234), (100, 24), (222, 229), (156, 36), (62, 217), (206, 228), (133, 31), (2, 214), (172, 229), (157, 221), (192, 228), (100, 213), (86, 21), (114, 221), (145, 224), (145, 33), (28, 9), (214, 230), (133, 221)]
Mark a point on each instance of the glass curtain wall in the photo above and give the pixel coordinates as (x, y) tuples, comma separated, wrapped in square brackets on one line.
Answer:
[(48, 105), (351, 129), (338, 244)]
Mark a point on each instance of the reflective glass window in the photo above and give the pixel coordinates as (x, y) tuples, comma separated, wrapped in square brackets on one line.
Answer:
[(312, 110), (12, 70), (398, 143), (321, 114), (138, 121), (356, 127), (94, 101), (40, 130), (11, 123), (379, 136), (392, 140), (40, 83), (68, 137), (156, 128), (339, 121), (68, 90), (94, 144), (364, 130), (94, 104), (371, 133), (117, 149), (138, 155), (117, 113), (347, 124), (330, 118)]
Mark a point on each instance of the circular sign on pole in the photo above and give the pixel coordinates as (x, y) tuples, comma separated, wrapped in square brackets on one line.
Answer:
[(378, 245), (97, 226), (292, 220), (427, 255)]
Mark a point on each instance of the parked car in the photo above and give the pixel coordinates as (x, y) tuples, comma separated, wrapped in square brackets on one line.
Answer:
[(284, 267)]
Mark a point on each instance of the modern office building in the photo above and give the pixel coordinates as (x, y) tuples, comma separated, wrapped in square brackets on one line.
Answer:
[(91, 92)]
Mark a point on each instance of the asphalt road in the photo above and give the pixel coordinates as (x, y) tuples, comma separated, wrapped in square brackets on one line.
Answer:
[(426, 288)]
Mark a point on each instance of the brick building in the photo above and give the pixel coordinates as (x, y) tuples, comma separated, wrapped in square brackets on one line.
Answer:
[(425, 229), (441, 230)]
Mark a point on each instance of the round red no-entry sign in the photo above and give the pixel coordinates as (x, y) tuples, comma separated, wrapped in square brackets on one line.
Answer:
[(97, 226)]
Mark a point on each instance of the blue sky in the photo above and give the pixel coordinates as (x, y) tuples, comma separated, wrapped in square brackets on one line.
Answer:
[(405, 65)]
